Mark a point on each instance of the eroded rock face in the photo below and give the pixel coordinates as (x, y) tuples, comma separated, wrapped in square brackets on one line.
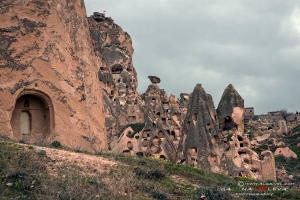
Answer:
[(201, 130), (231, 110), (286, 152), (49, 88), (117, 75), (70, 78), (161, 133)]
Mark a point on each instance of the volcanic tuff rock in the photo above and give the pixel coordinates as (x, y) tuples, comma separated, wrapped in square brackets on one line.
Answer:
[(49, 88), (70, 78), (117, 75)]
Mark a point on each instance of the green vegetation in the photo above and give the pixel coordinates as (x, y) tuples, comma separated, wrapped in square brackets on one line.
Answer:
[(135, 127), (25, 174), (56, 144), (296, 129)]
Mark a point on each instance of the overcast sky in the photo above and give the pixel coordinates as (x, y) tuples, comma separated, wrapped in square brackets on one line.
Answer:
[(252, 44)]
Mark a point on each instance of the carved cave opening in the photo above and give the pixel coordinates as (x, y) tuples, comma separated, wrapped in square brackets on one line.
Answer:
[(195, 116), (188, 125), (193, 151), (146, 133), (162, 157), (127, 152), (156, 141), (33, 116), (116, 69), (129, 145), (161, 134), (215, 139), (145, 143)]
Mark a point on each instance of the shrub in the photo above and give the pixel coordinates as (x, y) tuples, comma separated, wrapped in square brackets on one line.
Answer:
[(56, 144)]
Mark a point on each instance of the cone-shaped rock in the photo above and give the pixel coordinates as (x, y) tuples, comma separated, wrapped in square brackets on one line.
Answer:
[(200, 127), (231, 110)]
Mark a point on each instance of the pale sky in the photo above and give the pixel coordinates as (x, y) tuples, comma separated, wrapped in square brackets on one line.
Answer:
[(252, 44)]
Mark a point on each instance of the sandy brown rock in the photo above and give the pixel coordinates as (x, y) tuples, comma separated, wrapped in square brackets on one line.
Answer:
[(286, 152), (47, 62)]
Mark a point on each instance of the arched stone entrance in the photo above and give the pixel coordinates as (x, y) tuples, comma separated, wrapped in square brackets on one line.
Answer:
[(33, 117)]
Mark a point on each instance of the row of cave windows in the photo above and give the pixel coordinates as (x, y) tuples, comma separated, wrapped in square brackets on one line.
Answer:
[(117, 69), (161, 134), (142, 154)]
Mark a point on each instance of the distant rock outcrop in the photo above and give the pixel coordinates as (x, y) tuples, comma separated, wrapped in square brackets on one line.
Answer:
[(286, 152)]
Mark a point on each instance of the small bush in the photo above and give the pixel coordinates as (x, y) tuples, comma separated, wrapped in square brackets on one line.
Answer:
[(56, 144)]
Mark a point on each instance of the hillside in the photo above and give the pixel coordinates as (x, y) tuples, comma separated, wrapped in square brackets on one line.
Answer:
[(27, 172)]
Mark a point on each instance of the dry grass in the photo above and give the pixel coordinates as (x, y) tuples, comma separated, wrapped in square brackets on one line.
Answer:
[(66, 175)]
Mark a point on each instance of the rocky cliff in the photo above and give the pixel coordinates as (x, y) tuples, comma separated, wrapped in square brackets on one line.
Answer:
[(49, 87), (70, 78)]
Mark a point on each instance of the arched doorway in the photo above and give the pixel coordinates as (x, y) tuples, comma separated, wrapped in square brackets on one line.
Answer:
[(33, 117)]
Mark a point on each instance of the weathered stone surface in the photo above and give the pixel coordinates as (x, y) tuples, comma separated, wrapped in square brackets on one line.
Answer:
[(201, 131), (48, 72), (286, 152), (117, 75), (231, 110), (70, 78)]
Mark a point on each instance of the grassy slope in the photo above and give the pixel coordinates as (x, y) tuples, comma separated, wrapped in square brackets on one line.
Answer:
[(24, 175)]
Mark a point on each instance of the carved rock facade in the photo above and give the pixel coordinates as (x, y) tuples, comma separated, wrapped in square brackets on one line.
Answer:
[(49, 88), (70, 78)]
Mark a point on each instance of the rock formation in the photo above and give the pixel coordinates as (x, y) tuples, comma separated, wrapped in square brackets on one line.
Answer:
[(70, 78), (49, 88), (117, 75)]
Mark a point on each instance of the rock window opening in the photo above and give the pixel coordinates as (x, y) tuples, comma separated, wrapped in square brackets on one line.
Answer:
[(161, 134), (35, 84), (158, 114), (172, 135), (163, 120), (129, 145), (215, 139), (177, 132), (116, 69), (195, 116), (146, 133), (137, 137), (254, 170), (26, 103), (156, 141), (240, 174), (140, 154), (227, 119), (240, 138), (241, 144), (145, 143), (242, 152), (126, 152), (162, 157), (188, 125), (246, 160), (193, 151), (155, 149)]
